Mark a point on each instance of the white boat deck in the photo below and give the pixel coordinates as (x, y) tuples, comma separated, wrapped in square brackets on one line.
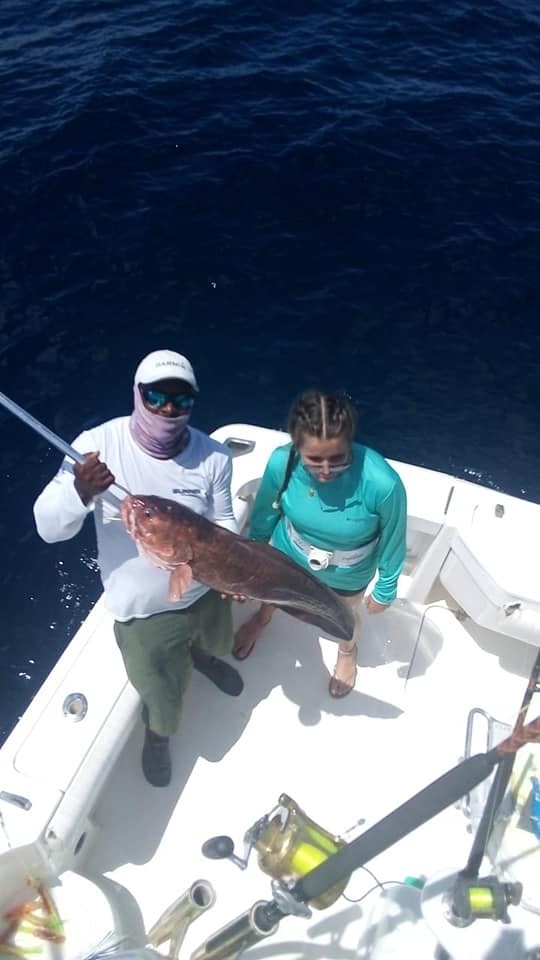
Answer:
[(347, 763), (463, 634)]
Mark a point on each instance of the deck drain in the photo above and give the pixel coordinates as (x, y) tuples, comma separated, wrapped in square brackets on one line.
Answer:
[(75, 706)]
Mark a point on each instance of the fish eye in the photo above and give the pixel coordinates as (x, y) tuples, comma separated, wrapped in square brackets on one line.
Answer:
[(147, 512)]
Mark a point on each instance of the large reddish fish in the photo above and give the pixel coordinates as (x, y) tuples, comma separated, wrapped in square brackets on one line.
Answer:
[(191, 547)]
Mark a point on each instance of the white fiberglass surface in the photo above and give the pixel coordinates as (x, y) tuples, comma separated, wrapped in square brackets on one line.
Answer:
[(347, 763)]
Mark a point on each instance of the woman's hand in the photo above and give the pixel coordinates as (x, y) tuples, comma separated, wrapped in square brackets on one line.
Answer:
[(373, 606)]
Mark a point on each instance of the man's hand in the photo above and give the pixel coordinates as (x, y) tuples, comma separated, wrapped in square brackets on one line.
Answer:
[(91, 477), (373, 606)]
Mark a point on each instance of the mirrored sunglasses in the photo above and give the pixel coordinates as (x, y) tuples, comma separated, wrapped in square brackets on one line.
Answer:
[(156, 398)]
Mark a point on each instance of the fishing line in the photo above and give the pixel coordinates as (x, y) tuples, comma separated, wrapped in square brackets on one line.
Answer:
[(379, 885), (431, 606)]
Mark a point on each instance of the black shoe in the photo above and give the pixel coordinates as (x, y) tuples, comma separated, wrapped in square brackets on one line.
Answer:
[(156, 759), (225, 677)]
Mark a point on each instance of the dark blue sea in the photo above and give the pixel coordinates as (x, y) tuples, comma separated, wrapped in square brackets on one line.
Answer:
[(293, 194)]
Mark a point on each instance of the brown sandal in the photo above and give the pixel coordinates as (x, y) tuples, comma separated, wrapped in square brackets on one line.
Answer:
[(338, 688)]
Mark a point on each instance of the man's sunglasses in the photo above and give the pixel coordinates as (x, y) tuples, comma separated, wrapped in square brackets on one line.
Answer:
[(156, 398)]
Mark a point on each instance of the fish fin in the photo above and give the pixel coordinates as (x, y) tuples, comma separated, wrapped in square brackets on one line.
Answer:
[(179, 581)]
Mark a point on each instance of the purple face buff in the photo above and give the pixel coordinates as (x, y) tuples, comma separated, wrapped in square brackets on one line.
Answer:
[(161, 437)]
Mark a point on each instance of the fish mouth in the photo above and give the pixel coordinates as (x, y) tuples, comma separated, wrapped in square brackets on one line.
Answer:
[(130, 511), (129, 516), (137, 517)]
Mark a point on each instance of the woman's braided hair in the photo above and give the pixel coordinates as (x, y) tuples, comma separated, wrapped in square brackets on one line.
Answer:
[(324, 415), (316, 414)]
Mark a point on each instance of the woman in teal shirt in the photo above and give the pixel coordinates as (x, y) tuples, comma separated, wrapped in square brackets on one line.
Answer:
[(338, 509)]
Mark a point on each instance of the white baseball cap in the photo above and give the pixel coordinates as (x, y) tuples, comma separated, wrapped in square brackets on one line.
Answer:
[(165, 365)]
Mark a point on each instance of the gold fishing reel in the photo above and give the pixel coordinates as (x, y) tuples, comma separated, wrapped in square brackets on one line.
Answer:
[(289, 845)]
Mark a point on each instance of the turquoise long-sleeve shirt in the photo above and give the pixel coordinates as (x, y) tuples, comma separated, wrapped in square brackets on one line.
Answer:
[(367, 501)]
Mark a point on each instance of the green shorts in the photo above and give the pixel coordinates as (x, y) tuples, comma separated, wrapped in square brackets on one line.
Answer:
[(157, 657)]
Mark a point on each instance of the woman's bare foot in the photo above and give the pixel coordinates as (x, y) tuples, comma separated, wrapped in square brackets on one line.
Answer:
[(247, 635), (344, 677)]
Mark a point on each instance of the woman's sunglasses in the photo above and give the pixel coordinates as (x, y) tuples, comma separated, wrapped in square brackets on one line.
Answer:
[(156, 398)]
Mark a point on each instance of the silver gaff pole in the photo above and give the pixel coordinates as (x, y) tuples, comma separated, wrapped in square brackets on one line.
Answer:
[(47, 434)]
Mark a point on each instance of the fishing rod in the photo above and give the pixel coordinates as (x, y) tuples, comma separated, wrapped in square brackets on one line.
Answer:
[(262, 919), (472, 897), (442, 793), (49, 435)]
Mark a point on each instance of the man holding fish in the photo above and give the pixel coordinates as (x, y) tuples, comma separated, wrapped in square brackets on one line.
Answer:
[(162, 632), (168, 583)]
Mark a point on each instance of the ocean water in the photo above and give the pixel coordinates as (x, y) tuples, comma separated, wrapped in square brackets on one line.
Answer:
[(292, 195)]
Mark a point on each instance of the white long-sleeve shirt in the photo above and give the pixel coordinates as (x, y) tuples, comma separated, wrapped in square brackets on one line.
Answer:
[(199, 477)]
